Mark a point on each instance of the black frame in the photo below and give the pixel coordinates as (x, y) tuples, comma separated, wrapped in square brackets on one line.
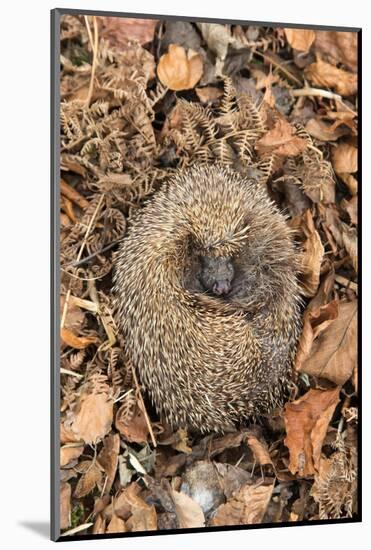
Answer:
[(55, 276)]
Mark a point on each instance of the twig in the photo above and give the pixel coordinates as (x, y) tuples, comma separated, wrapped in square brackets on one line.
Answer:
[(154, 442), (77, 529), (71, 372), (343, 281), (315, 92), (278, 64), (91, 256), (94, 47)]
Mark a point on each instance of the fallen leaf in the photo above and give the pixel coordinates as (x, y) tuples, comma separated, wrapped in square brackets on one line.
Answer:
[(68, 453), (351, 182), (143, 519), (188, 511), (338, 46), (228, 441), (93, 417), (351, 207), (323, 131), (119, 30), (326, 75), (312, 257), (259, 449), (306, 421), (281, 139), (77, 342), (201, 482), (345, 158), (351, 244), (209, 94), (300, 39), (179, 70), (65, 505), (246, 507), (99, 527), (116, 525), (134, 428), (218, 37), (91, 476), (108, 459), (232, 478)]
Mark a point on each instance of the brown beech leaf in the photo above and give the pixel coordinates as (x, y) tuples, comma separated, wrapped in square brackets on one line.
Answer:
[(338, 46), (77, 342), (306, 421), (134, 428), (208, 94), (345, 158), (326, 75), (91, 476), (179, 70), (188, 511), (333, 350), (323, 131), (315, 321), (351, 182), (143, 519), (281, 139), (245, 507), (65, 505), (300, 39), (116, 525), (351, 207), (313, 253), (75, 316), (93, 418), (351, 245), (68, 453), (259, 449), (99, 527), (119, 30), (108, 459)]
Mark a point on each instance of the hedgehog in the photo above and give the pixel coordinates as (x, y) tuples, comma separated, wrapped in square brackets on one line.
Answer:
[(212, 351)]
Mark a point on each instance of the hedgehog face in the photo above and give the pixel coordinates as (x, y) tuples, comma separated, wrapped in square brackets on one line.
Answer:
[(216, 274)]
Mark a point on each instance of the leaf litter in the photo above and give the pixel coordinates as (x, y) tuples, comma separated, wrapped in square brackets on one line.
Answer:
[(140, 99)]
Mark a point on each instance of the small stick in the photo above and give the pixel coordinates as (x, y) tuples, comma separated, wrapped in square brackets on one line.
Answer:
[(318, 92), (91, 256), (343, 281), (71, 372), (94, 47), (73, 195), (154, 442)]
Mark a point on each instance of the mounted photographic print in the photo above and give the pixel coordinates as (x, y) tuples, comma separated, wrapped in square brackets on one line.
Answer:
[(204, 280)]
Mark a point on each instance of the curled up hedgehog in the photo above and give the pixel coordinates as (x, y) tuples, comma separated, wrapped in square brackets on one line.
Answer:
[(208, 301)]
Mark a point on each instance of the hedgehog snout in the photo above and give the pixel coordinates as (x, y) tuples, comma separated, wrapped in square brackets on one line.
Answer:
[(221, 288)]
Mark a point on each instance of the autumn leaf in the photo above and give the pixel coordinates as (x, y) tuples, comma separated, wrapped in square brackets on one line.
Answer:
[(108, 459), (179, 70), (281, 139), (77, 342), (93, 417), (245, 507), (120, 30), (300, 39), (134, 426), (345, 158), (188, 511), (306, 421), (91, 476), (312, 256), (70, 452), (259, 449), (325, 75), (338, 46), (324, 131), (350, 243), (116, 525)]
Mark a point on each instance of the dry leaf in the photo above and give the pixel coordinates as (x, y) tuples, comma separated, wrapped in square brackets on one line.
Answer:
[(179, 70), (246, 507), (134, 428), (323, 131), (351, 207), (306, 421), (312, 257), (338, 46), (209, 94), (116, 525), (108, 459), (281, 139), (99, 527), (94, 417), (65, 505), (119, 30), (91, 477), (345, 158), (68, 453), (325, 75), (351, 182), (300, 39), (77, 342), (188, 511), (259, 449), (351, 245), (201, 482), (217, 37)]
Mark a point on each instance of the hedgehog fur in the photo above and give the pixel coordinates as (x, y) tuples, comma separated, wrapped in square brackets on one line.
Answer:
[(207, 362)]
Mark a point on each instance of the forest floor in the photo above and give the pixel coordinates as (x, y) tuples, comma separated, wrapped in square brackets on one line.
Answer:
[(135, 95)]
